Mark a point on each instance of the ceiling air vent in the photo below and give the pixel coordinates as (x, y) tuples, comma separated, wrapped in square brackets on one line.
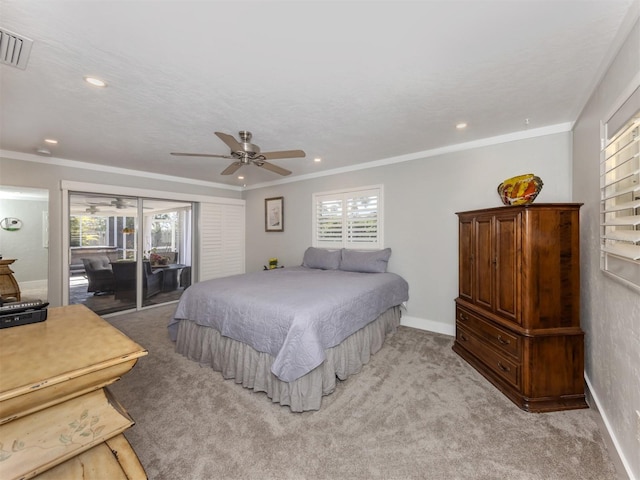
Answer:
[(14, 49)]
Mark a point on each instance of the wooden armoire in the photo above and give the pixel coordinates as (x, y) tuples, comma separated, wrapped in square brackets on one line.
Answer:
[(518, 305)]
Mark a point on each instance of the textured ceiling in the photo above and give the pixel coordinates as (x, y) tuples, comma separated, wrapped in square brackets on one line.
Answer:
[(350, 82)]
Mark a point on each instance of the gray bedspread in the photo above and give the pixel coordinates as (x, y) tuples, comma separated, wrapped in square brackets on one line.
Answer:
[(293, 313)]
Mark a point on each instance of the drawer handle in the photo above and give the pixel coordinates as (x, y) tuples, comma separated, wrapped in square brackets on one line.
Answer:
[(503, 368), (463, 317), (503, 341), (463, 338)]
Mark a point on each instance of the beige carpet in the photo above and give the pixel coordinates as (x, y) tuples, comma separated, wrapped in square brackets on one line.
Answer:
[(416, 411)]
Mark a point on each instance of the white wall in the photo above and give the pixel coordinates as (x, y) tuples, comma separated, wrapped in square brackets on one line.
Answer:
[(47, 174), (421, 198), (610, 311), (25, 245)]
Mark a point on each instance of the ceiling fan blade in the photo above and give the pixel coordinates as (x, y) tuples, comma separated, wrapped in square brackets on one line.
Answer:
[(231, 142), (283, 154), (273, 168), (231, 169), (200, 155)]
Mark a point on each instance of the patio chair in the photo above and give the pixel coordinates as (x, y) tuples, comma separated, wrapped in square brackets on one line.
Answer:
[(125, 280), (100, 275)]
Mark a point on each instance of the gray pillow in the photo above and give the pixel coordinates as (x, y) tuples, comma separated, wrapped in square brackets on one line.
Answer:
[(365, 262), (321, 258)]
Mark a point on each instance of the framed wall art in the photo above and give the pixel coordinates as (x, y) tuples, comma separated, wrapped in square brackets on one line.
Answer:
[(274, 214)]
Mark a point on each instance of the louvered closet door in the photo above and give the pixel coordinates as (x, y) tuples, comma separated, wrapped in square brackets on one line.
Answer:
[(222, 240)]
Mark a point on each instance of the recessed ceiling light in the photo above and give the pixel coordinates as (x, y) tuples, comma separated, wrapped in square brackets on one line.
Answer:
[(52, 141), (461, 125), (240, 177), (43, 151), (317, 159), (96, 82)]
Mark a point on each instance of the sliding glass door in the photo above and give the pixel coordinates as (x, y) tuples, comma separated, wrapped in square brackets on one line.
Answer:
[(167, 250), (127, 252)]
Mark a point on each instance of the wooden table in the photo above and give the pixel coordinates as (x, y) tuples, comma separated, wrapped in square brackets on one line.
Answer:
[(8, 286), (57, 418)]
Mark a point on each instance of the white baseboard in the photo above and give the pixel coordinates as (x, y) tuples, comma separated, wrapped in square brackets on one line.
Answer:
[(610, 431), (428, 325), (33, 285)]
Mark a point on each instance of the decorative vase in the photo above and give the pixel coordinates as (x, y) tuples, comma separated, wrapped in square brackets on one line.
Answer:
[(520, 190)]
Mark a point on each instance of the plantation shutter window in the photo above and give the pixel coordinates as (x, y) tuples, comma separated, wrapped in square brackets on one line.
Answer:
[(328, 221), (348, 219), (362, 218), (620, 196)]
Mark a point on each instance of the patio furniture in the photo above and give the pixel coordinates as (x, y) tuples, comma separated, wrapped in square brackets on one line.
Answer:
[(125, 280), (185, 277), (169, 275), (76, 266), (99, 273), (151, 280)]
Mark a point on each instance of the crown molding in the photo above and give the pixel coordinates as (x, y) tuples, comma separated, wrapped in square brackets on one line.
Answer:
[(485, 142), (63, 162), (510, 137)]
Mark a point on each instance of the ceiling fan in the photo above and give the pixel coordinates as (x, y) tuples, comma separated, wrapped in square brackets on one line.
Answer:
[(246, 153), (119, 203)]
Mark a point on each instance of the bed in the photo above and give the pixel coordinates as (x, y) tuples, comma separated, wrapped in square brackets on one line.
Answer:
[(290, 332)]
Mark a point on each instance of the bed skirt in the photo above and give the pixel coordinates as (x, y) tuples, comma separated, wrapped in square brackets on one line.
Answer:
[(252, 369)]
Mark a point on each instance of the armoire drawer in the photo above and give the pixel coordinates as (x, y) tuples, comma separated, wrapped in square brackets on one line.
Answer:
[(501, 338), (505, 368)]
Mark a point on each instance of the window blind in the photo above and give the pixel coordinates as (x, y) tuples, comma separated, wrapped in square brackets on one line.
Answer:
[(348, 219), (620, 201)]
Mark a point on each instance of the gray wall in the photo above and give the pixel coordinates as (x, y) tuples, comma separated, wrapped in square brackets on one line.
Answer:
[(610, 311), (48, 176), (420, 201), (25, 245)]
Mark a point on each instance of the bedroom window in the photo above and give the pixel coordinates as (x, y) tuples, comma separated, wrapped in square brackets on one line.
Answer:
[(620, 194), (348, 219)]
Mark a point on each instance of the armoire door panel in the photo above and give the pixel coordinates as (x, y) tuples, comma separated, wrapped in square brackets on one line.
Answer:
[(507, 278), (484, 261), (465, 262)]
